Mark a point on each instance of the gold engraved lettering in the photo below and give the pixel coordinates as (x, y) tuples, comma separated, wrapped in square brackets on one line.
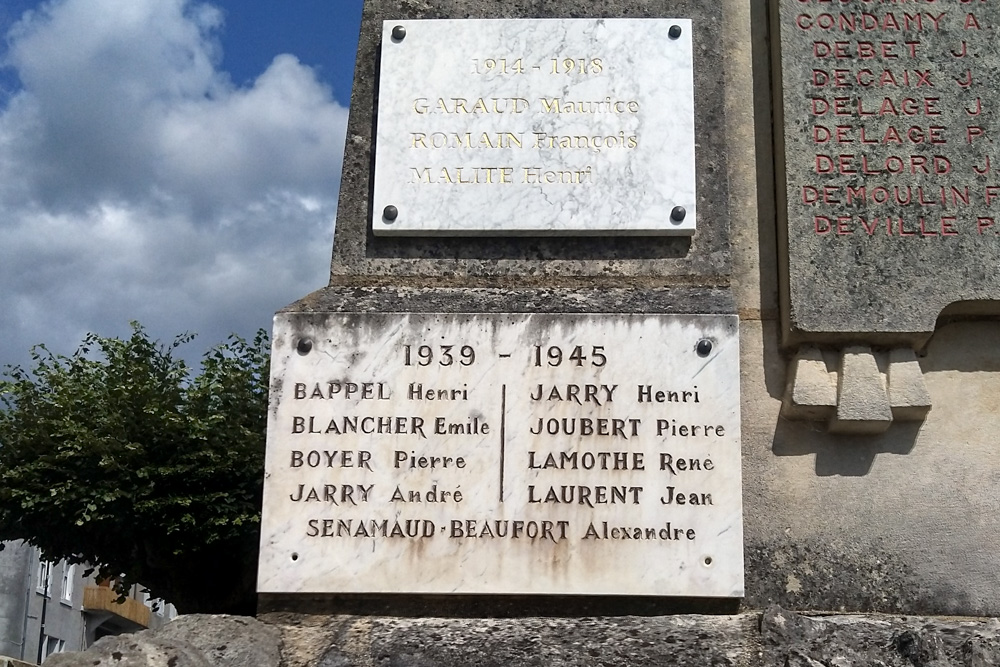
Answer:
[(463, 175), (595, 143), (462, 105), (540, 176), (607, 105), (465, 140)]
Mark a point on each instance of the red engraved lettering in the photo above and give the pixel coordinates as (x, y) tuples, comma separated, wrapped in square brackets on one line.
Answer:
[(936, 19), (916, 135), (821, 223), (812, 194), (982, 224), (973, 131)]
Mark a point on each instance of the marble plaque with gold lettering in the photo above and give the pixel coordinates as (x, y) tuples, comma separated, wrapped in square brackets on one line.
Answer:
[(504, 454), (535, 127)]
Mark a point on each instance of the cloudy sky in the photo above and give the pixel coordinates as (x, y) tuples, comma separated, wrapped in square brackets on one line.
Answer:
[(174, 162)]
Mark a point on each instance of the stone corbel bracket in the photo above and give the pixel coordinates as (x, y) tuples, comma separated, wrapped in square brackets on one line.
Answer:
[(856, 390)]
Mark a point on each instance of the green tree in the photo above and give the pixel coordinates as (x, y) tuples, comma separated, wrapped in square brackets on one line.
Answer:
[(122, 457)]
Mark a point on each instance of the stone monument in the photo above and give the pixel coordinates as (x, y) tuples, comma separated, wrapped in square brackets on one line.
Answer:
[(889, 506), (889, 200), (523, 378), (542, 373)]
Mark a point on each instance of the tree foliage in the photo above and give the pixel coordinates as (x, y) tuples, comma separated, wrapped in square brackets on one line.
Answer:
[(122, 457)]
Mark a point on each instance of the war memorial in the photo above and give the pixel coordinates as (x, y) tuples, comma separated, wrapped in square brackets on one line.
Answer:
[(657, 332)]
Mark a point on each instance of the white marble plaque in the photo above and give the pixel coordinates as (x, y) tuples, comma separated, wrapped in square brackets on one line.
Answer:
[(540, 126), (504, 454)]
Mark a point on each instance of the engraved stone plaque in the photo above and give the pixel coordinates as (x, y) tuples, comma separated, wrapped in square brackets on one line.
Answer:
[(545, 127), (504, 454), (891, 123)]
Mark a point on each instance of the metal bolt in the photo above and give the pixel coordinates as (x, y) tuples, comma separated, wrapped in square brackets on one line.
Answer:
[(398, 33), (674, 32), (704, 347), (678, 213), (390, 213), (304, 346)]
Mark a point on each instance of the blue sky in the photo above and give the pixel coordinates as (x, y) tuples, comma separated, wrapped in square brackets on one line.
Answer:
[(167, 161)]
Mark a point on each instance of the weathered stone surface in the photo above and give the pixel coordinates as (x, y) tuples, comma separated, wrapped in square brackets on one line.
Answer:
[(900, 522), (855, 402), (908, 395), (792, 639), (140, 650), (189, 641), (503, 297), (806, 573), (862, 402), (776, 638), (812, 389), (227, 641), (715, 641), (887, 228)]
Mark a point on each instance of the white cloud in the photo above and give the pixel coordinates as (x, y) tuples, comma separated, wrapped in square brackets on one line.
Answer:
[(136, 182)]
